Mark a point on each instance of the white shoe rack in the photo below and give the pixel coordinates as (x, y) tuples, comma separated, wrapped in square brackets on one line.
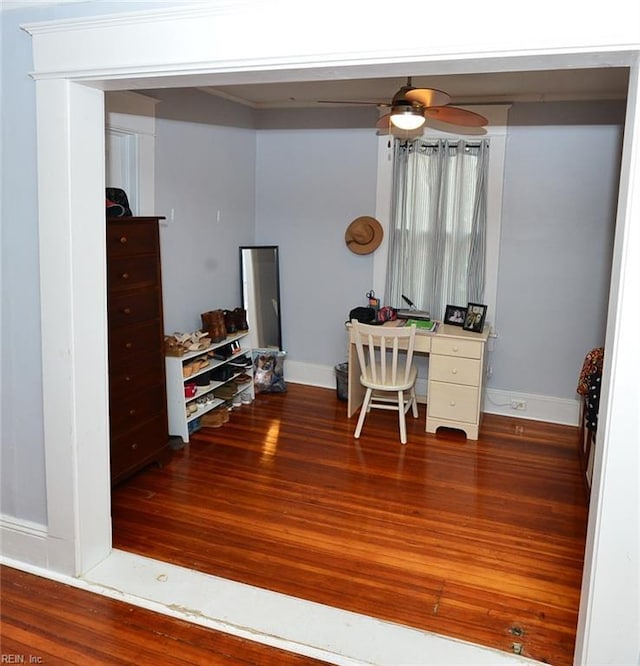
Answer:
[(179, 414)]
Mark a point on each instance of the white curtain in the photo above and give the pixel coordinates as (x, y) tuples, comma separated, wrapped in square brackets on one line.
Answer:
[(438, 224)]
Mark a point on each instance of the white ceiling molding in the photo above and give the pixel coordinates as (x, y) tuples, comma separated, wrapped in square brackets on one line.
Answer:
[(227, 45)]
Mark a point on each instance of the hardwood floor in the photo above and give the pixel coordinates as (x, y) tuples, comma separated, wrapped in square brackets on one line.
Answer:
[(45, 622), (481, 541)]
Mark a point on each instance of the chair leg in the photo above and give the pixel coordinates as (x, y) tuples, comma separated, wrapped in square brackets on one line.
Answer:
[(363, 412), (403, 425), (414, 405)]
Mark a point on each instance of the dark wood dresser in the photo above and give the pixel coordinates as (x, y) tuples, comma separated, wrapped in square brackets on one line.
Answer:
[(137, 389)]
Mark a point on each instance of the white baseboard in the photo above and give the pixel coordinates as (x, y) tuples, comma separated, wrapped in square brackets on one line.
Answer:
[(310, 374), (24, 541), (496, 401), (563, 411)]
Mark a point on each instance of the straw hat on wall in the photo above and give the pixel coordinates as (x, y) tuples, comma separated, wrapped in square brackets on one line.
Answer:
[(363, 235)]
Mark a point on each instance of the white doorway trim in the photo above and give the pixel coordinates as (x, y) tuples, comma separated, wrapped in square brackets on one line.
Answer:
[(203, 45)]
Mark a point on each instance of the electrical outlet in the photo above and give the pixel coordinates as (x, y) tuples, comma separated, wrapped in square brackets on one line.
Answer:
[(519, 404)]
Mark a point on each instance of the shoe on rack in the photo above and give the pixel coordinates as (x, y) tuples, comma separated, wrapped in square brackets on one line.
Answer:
[(226, 391), (230, 321), (222, 373), (215, 418), (223, 353), (213, 324), (240, 319)]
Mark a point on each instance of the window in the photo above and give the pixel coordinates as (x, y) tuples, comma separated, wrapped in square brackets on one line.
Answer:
[(496, 134), (438, 222)]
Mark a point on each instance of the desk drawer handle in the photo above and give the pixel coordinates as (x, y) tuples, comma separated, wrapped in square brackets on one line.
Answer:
[(125, 276), (123, 239), (128, 345), (126, 311)]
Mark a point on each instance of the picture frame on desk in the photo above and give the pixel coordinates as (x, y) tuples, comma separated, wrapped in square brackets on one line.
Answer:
[(455, 315), (474, 317)]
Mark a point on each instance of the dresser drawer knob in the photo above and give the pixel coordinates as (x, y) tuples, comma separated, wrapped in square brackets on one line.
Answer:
[(455, 349), (452, 403), (132, 412), (123, 239), (125, 276), (128, 345), (127, 378), (454, 371), (134, 446), (126, 311)]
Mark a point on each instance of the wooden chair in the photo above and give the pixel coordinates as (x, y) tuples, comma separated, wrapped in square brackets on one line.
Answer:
[(387, 373)]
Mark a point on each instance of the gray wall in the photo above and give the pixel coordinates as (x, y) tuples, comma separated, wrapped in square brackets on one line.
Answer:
[(300, 186), (313, 177), (205, 180), (559, 206), (22, 473), (310, 185)]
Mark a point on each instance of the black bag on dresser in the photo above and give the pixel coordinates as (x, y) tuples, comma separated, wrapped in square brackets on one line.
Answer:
[(117, 202)]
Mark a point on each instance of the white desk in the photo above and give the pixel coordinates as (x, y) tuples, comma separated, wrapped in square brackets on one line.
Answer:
[(456, 373)]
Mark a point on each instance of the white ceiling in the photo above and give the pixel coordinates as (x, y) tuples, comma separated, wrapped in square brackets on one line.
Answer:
[(529, 86)]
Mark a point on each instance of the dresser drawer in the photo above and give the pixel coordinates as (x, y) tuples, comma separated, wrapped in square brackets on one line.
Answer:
[(455, 370), (128, 308), (127, 238), (138, 445), (143, 371), (132, 272), (452, 402), (127, 343), (456, 347), (130, 409)]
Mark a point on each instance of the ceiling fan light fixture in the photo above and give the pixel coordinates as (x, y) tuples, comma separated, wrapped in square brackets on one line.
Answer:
[(407, 116)]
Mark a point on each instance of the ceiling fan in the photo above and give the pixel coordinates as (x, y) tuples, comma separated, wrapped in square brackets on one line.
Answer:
[(410, 107)]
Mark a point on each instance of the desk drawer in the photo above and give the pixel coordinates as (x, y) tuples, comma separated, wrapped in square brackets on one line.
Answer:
[(453, 402), (456, 347), (454, 370)]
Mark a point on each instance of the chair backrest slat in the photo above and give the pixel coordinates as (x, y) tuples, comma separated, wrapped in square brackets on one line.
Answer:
[(375, 343)]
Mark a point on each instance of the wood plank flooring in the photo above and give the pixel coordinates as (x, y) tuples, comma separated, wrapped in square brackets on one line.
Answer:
[(45, 622), (482, 541)]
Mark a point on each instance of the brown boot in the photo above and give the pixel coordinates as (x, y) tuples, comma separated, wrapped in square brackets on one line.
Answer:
[(213, 323), (220, 325), (230, 321), (240, 317)]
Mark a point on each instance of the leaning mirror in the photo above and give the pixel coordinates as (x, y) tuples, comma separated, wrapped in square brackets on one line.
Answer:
[(260, 283)]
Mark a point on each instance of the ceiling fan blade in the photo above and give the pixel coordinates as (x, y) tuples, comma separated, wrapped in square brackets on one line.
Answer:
[(350, 101), (455, 116), (384, 121), (427, 96)]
